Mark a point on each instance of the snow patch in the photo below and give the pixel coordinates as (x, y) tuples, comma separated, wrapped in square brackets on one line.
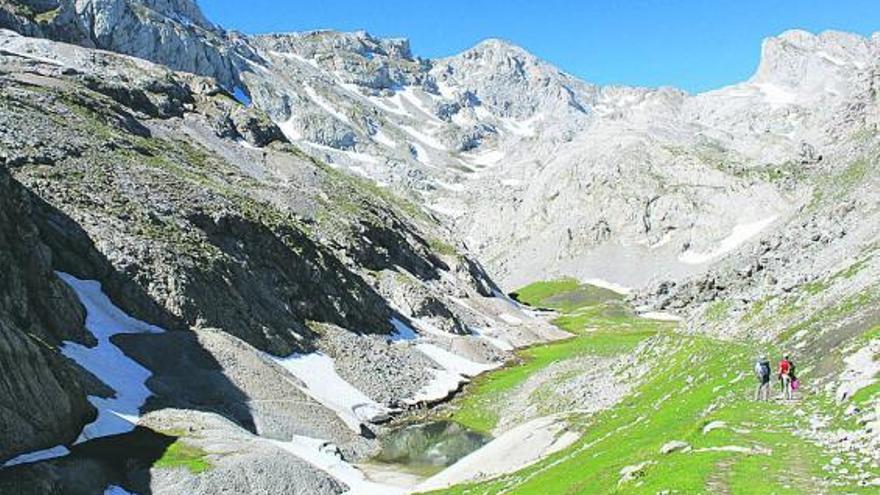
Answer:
[(383, 139), (120, 413), (714, 425), (116, 490), (420, 154), (385, 105), (425, 138), (454, 362), (740, 234), (447, 210), (443, 384), (322, 455), (498, 343), (402, 331), (289, 129), (450, 187), (485, 159), (245, 144), (522, 128), (605, 284), (660, 316), (241, 96), (776, 95), (323, 103), (456, 371), (409, 95), (39, 455), (318, 372), (831, 58)]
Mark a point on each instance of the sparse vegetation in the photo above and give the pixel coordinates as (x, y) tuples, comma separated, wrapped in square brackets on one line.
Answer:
[(600, 325), (184, 456)]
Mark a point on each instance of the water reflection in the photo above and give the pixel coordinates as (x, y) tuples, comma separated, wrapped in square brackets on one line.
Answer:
[(430, 445)]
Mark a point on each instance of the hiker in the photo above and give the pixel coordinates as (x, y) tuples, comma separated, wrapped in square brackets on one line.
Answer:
[(795, 383), (762, 369), (784, 371)]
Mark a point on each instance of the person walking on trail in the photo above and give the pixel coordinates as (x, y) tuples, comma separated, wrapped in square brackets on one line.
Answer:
[(784, 371), (762, 370), (795, 384)]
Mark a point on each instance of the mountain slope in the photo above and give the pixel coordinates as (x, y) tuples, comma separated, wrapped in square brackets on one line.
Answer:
[(196, 215), (289, 231)]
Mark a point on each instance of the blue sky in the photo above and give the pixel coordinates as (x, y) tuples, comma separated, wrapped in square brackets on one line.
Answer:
[(694, 45)]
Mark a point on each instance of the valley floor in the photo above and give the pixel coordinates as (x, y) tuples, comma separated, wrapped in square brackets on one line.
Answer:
[(639, 408)]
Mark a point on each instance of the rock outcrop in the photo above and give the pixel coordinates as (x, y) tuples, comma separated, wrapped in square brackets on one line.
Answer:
[(43, 403)]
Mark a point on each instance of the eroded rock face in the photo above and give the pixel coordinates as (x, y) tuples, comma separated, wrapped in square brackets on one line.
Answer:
[(42, 403), (171, 32)]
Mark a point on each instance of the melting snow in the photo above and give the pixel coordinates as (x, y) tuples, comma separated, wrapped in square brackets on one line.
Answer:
[(421, 155), (325, 104), (450, 211), (456, 371), (522, 128), (740, 234), (598, 282), (245, 144), (387, 106), (289, 129), (425, 138), (450, 187), (454, 362), (443, 384), (776, 95), (116, 490), (316, 453), (40, 455), (241, 96), (300, 58), (831, 58), (118, 414), (402, 331), (318, 373), (660, 316), (487, 158), (353, 155), (409, 95), (495, 341), (383, 139)]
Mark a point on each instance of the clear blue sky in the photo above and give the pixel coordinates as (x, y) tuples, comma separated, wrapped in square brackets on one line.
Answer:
[(692, 44)]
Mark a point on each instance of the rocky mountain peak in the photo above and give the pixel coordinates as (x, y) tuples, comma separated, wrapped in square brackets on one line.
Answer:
[(183, 11), (796, 57), (335, 44)]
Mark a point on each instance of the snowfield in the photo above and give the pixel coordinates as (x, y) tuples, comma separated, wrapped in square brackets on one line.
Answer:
[(320, 454), (740, 234), (318, 372), (454, 371), (40, 455), (128, 379)]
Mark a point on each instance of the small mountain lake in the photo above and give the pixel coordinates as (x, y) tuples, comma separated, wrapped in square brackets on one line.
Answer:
[(427, 448)]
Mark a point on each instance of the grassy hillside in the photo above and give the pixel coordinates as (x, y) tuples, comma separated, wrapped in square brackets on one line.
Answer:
[(692, 426)]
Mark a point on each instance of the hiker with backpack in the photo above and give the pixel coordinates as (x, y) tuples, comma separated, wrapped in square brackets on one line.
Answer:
[(762, 370), (785, 370)]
